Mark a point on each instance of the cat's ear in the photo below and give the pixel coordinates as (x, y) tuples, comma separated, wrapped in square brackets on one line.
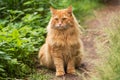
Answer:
[(52, 10), (69, 9)]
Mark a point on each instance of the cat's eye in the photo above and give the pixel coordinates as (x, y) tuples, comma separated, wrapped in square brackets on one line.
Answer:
[(56, 19), (64, 18)]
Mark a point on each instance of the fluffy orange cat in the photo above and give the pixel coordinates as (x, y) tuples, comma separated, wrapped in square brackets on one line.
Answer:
[(63, 49)]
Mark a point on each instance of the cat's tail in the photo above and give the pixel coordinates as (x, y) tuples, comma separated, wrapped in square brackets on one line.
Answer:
[(41, 55), (77, 24), (45, 58)]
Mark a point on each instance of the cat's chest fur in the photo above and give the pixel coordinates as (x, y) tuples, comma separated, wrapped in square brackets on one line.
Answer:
[(65, 41)]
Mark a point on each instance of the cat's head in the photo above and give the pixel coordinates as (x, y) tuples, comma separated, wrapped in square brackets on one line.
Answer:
[(62, 19)]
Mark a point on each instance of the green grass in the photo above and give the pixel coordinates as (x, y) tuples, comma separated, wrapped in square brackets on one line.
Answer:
[(110, 68), (38, 76)]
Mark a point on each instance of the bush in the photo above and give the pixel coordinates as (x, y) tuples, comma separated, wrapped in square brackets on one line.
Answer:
[(21, 34), (19, 44)]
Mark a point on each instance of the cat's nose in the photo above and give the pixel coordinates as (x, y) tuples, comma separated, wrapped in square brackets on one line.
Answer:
[(59, 23)]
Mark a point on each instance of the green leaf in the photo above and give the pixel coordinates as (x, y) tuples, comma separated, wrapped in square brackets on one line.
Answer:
[(7, 57), (28, 3), (30, 18), (28, 9), (2, 8), (15, 34), (40, 9), (14, 61), (19, 42), (2, 70), (15, 11), (2, 52)]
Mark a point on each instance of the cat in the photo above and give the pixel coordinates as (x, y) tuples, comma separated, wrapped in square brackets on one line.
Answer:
[(63, 49)]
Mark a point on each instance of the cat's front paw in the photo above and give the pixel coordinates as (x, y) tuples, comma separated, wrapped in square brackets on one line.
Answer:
[(60, 73), (71, 71)]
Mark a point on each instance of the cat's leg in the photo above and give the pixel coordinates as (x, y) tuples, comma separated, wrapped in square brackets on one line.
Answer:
[(71, 66), (59, 64), (75, 61)]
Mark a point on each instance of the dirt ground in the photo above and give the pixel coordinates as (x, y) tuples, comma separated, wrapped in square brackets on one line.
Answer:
[(102, 18)]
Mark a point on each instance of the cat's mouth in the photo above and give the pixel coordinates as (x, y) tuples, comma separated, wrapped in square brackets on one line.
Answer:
[(61, 27)]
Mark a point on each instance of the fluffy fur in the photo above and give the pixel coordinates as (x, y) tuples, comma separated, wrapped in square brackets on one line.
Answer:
[(63, 49)]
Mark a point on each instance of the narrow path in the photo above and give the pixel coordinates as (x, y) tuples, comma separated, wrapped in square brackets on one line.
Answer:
[(95, 34)]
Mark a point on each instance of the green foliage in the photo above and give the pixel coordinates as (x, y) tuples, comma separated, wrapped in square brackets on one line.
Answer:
[(19, 44), (22, 31)]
